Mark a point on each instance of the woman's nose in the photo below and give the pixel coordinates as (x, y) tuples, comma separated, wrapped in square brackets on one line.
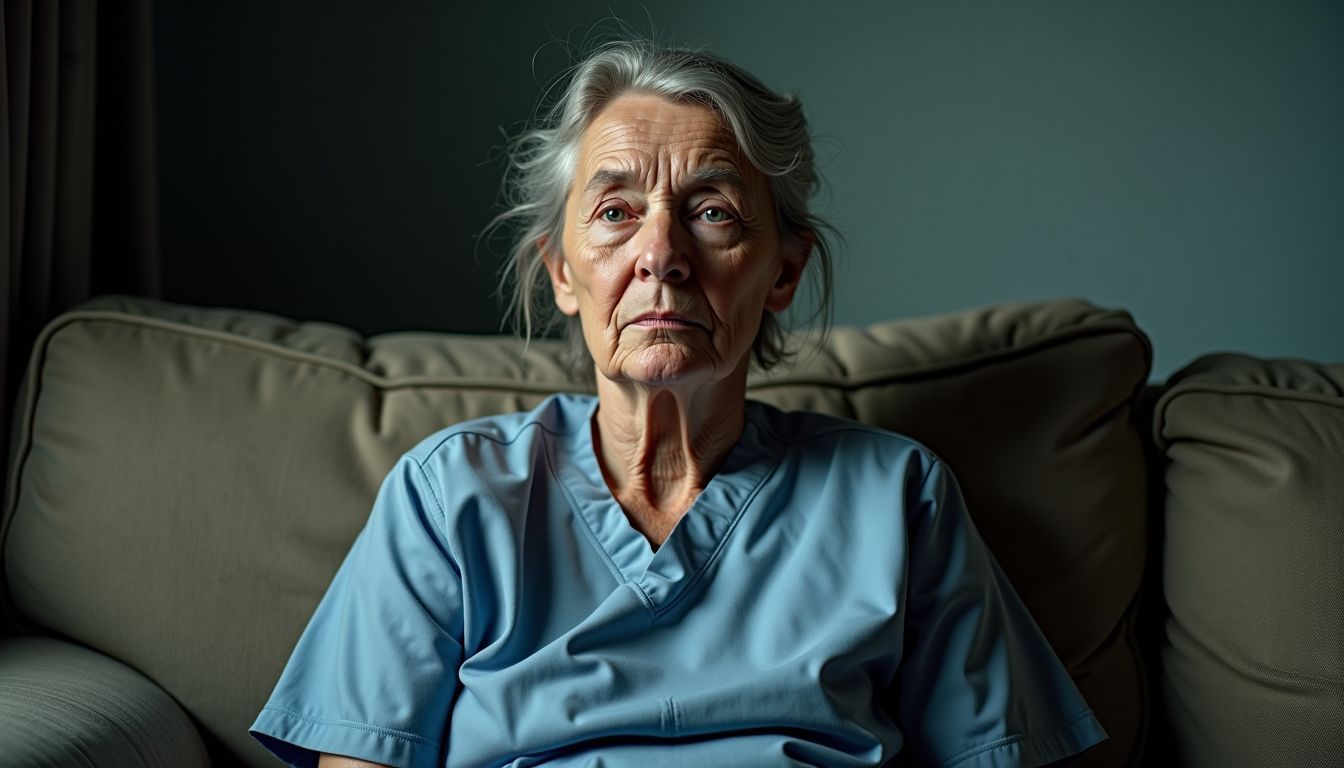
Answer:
[(662, 255)]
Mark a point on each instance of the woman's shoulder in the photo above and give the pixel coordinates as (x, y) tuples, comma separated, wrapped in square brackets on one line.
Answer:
[(559, 414), (489, 455), (800, 428)]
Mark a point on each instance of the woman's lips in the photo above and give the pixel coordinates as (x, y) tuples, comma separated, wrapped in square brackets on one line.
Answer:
[(664, 321)]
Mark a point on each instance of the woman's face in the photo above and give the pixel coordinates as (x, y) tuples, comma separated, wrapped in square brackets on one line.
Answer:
[(671, 249)]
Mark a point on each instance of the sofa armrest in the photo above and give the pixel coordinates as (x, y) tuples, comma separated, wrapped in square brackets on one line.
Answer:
[(1253, 561), (62, 704)]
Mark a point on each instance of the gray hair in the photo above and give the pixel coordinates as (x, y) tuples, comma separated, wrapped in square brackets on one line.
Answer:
[(770, 129)]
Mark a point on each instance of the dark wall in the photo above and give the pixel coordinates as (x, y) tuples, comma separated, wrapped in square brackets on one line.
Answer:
[(334, 160)]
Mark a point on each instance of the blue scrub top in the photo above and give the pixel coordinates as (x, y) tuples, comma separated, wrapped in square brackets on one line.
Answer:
[(825, 601)]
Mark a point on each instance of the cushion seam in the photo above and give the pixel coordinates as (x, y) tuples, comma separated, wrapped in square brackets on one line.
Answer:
[(1244, 390), (1103, 327)]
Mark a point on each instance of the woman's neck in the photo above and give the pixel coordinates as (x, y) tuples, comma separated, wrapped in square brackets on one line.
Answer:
[(658, 448)]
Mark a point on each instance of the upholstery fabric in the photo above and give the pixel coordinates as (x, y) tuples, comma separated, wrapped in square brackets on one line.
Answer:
[(1254, 561), (65, 706), (186, 481)]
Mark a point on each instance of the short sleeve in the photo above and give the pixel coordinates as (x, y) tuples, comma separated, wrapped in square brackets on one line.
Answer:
[(979, 684), (374, 674)]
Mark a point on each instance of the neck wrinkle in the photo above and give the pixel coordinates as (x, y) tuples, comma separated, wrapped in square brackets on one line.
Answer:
[(659, 448)]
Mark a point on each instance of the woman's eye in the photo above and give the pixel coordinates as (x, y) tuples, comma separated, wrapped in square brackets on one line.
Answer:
[(613, 215), (715, 215)]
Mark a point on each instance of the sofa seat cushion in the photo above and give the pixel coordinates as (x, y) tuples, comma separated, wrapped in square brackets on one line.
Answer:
[(185, 481), (1254, 561), (65, 706)]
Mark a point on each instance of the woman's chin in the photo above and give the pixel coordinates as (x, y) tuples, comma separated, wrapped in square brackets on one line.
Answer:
[(666, 365)]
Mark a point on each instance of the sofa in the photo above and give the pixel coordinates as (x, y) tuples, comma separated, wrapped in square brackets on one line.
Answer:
[(183, 483)]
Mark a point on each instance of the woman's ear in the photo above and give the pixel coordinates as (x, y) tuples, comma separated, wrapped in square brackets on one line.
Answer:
[(791, 266), (562, 281)]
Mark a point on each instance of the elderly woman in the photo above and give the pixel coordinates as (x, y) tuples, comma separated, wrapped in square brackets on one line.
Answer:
[(667, 574)]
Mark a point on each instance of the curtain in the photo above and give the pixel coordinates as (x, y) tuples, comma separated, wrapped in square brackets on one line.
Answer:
[(78, 212)]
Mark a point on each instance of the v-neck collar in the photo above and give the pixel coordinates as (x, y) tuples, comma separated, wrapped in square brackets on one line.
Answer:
[(661, 577)]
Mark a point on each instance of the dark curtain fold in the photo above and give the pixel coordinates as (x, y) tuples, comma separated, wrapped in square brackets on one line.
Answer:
[(78, 210)]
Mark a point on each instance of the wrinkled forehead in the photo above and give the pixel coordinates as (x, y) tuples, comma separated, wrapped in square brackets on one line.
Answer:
[(661, 144)]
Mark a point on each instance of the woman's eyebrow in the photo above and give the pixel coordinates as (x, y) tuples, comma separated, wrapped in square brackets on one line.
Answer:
[(606, 178), (724, 174)]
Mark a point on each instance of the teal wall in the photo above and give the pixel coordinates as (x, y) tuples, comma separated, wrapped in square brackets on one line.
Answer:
[(1181, 160)]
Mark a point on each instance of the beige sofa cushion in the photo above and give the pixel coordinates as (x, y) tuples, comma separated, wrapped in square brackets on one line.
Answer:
[(65, 706), (186, 481), (1254, 561)]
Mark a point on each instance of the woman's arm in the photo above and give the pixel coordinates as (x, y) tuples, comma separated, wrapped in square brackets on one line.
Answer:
[(340, 761), (384, 641)]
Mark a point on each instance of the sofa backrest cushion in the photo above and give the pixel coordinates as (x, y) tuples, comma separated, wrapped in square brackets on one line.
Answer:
[(1253, 654), (186, 481)]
